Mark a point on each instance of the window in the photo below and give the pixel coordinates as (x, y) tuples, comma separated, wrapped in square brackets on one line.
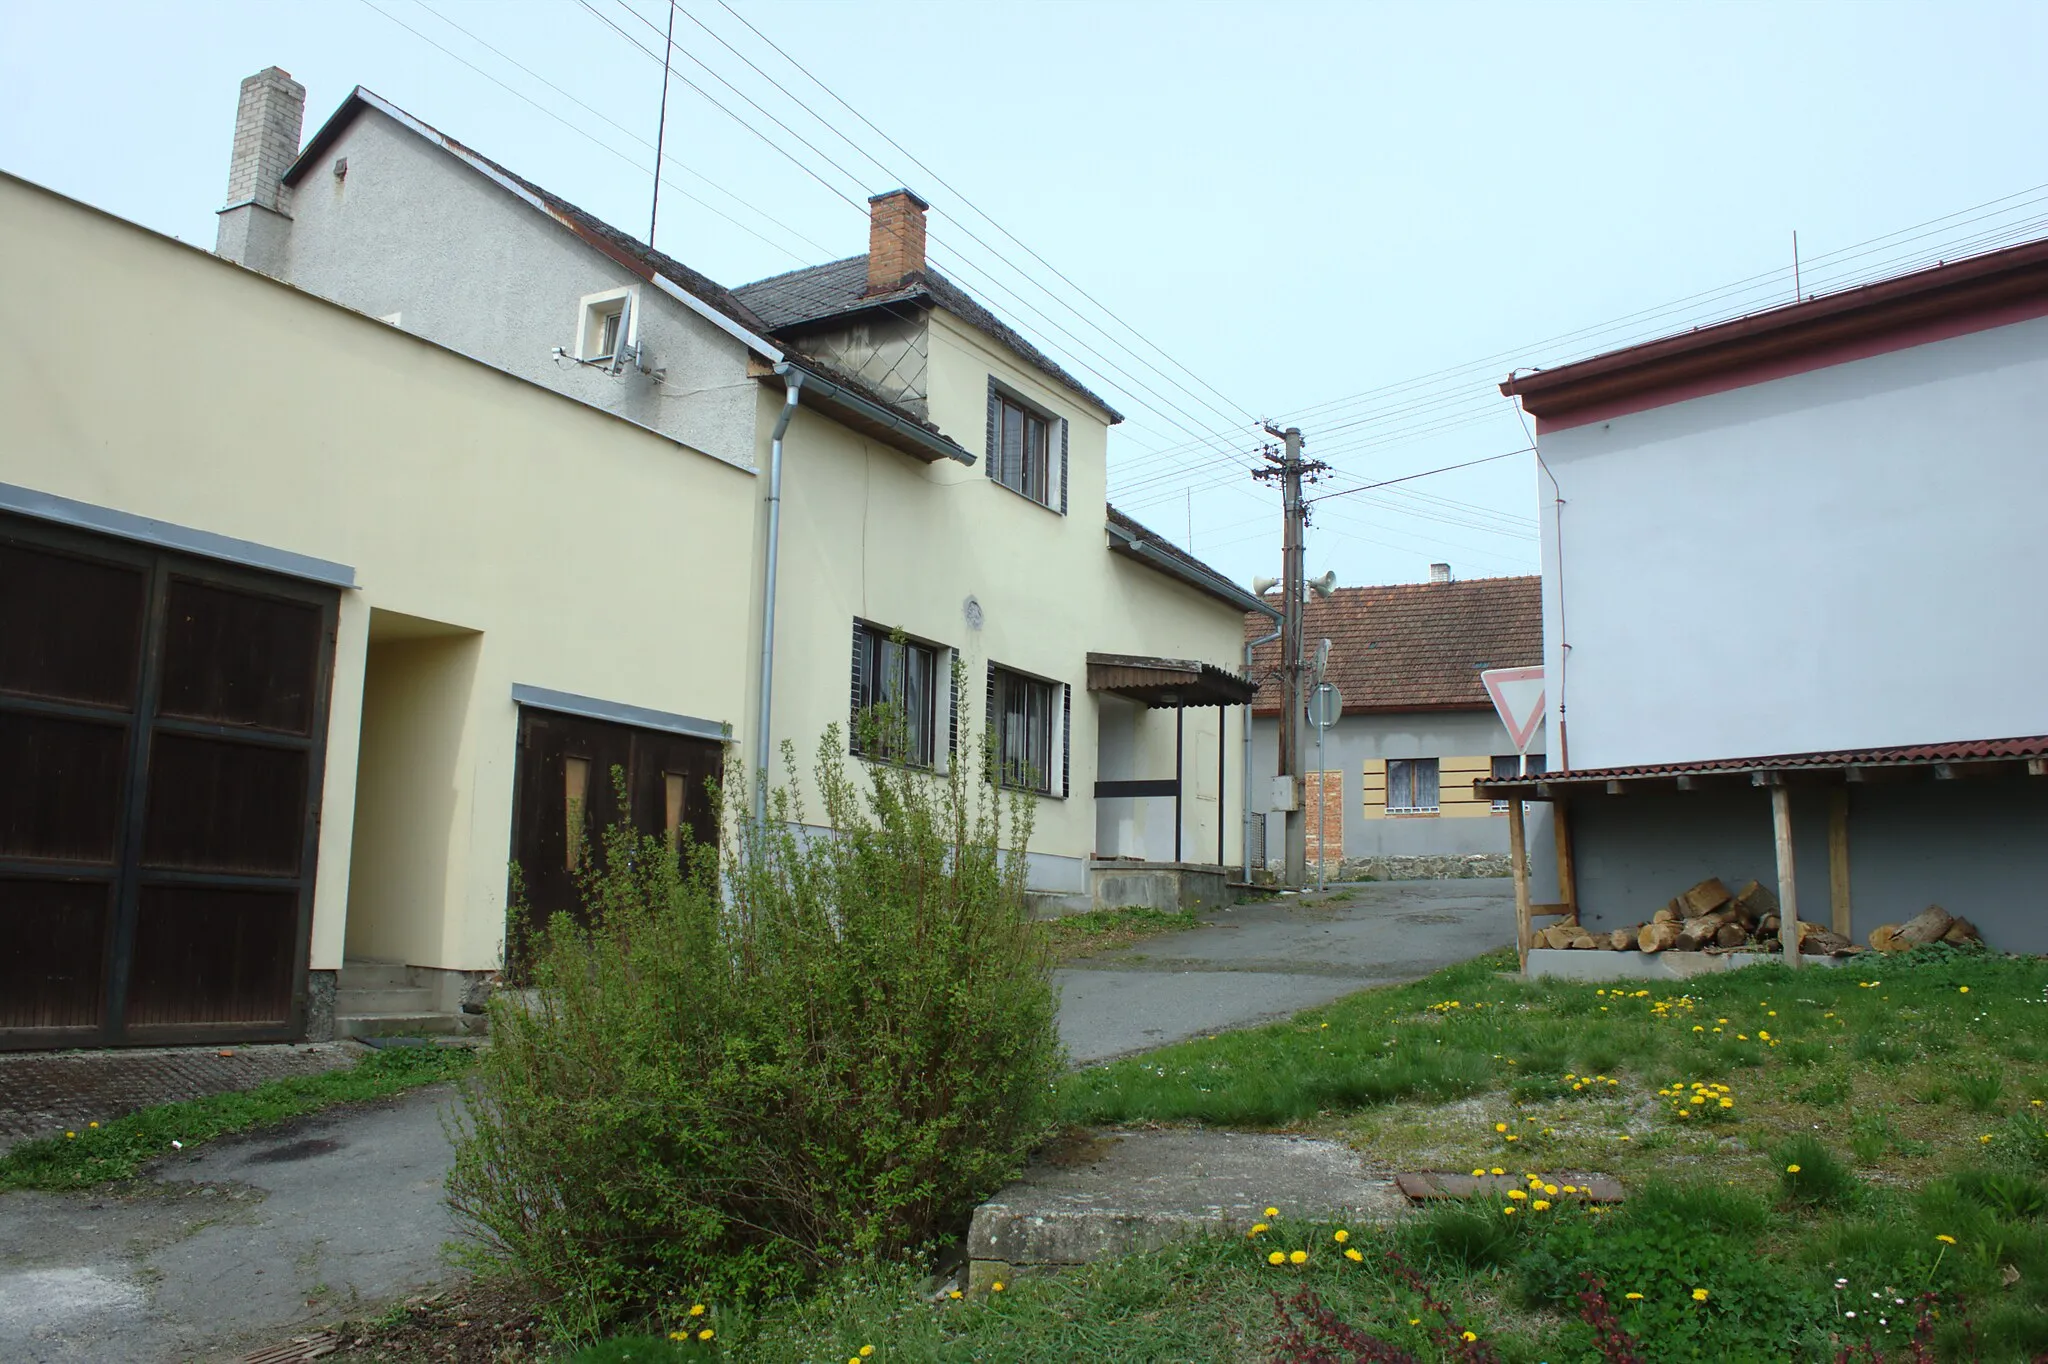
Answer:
[(1508, 768), (899, 675), (1025, 712), (604, 326), (1023, 445), (1411, 786)]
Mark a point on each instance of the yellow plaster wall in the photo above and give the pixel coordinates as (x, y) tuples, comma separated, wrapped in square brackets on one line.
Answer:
[(587, 554)]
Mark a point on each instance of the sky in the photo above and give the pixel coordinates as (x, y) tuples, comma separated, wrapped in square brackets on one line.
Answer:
[(1352, 218)]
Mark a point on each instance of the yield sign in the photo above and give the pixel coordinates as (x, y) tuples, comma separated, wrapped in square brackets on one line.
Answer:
[(1518, 695)]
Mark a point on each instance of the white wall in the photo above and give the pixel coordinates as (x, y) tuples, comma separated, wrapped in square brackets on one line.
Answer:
[(1842, 559)]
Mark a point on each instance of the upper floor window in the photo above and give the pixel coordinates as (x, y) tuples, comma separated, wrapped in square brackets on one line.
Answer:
[(1029, 716), (604, 326), (1027, 449), (1411, 786), (895, 690), (1510, 767)]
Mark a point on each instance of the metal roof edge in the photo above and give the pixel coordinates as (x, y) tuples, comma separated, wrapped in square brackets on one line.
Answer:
[(1215, 584), (940, 446)]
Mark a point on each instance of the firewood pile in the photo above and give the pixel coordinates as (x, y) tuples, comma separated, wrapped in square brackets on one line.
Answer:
[(1711, 918)]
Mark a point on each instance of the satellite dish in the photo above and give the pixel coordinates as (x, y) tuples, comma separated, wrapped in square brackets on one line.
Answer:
[(1325, 585), (1261, 586)]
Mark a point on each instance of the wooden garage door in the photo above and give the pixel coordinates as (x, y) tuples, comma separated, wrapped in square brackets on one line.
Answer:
[(161, 734), (566, 796)]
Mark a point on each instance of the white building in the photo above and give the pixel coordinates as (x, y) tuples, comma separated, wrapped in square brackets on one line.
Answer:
[(1798, 552)]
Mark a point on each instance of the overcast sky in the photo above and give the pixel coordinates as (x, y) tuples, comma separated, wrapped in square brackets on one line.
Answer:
[(1261, 210)]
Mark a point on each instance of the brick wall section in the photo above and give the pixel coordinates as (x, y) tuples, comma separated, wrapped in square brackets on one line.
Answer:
[(267, 123), (895, 239)]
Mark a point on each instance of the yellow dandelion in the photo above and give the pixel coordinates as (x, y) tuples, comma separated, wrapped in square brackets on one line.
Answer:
[(1508, 1211), (706, 1333), (1962, 989), (1699, 1295), (955, 1295), (1517, 1195), (1500, 1127), (1497, 1170), (1791, 1169), (1257, 1227), (68, 1136), (1985, 1138), (1467, 1337), (1946, 1239), (1541, 1205), (1340, 1236), (996, 1287), (678, 1335), (867, 1351), (1354, 1255), (697, 1310), (1272, 1212), (1550, 1190), (92, 1124), (1479, 1174), (1299, 1257), (1513, 1137), (1277, 1258), (1633, 1297)]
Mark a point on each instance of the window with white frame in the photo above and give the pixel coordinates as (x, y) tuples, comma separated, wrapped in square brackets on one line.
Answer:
[(896, 684), (1027, 448), (1510, 767), (1411, 786), (605, 324)]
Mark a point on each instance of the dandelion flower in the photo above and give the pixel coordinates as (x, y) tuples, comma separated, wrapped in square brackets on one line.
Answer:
[(92, 1124), (1415, 1321), (1962, 989), (1299, 1257), (955, 1295), (1500, 1127), (1272, 1212), (1257, 1227), (1517, 1195), (1633, 1297), (1354, 1255), (1791, 1169), (1550, 1190), (70, 1135), (1497, 1170), (1513, 1137), (1508, 1211), (706, 1333), (1477, 1174), (996, 1287), (1467, 1337), (697, 1310), (1986, 1137), (1340, 1236), (1277, 1258), (1699, 1295), (678, 1335), (1946, 1240), (867, 1351), (1541, 1205)]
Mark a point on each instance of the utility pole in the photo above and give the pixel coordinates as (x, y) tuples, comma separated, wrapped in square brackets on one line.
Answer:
[(1289, 467)]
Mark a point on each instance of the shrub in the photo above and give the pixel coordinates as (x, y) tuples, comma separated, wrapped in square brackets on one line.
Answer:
[(1810, 1173), (821, 1045)]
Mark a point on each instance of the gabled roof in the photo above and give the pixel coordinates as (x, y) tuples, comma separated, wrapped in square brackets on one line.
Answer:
[(1128, 538), (698, 292), (1413, 646), (802, 299), (1953, 298)]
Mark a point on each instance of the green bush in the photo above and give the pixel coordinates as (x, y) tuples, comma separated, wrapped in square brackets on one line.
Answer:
[(737, 1069)]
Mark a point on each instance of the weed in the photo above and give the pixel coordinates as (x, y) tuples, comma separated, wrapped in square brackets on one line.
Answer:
[(1825, 1093), (1810, 1173), (1980, 1090)]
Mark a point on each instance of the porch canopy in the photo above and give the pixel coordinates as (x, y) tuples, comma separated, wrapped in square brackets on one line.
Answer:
[(1164, 682), (1176, 684), (1838, 771)]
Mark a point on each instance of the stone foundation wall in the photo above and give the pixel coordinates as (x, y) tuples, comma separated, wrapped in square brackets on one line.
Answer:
[(1440, 867)]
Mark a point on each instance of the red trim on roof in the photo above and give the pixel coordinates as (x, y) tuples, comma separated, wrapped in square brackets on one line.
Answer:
[(1911, 755), (1952, 299)]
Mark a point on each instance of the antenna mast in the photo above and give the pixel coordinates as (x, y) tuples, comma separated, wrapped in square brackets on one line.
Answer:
[(661, 130)]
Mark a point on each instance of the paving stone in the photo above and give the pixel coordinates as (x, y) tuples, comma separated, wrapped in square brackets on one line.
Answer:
[(1124, 1191), (46, 1093)]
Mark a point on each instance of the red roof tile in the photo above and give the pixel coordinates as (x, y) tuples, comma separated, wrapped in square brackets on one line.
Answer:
[(1413, 646), (1912, 755)]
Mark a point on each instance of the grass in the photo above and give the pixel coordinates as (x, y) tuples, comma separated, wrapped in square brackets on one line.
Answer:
[(1081, 935), (118, 1148)]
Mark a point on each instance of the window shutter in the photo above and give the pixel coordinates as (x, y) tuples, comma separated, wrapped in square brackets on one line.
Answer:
[(859, 665), (991, 460), (1066, 714), (988, 725), (1063, 466), (953, 705)]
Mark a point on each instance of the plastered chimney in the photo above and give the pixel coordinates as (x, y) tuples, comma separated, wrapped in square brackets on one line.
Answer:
[(895, 239), (1439, 573), (255, 225)]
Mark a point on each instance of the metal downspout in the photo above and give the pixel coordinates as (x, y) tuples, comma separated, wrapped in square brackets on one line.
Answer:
[(792, 381), (1245, 843)]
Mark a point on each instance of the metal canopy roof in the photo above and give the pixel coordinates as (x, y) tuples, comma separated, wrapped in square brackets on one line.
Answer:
[(1978, 757), (1167, 682)]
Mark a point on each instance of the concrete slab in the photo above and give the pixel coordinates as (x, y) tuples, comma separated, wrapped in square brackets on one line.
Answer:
[(1558, 963), (1126, 1191)]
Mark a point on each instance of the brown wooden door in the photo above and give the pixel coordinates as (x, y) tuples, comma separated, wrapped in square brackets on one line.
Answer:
[(162, 727), (567, 796)]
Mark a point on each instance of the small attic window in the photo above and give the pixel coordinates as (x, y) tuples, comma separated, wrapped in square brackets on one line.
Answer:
[(605, 322)]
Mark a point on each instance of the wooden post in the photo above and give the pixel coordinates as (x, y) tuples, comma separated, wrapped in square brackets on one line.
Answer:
[(1838, 858), (1518, 855), (1788, 891), (1567, 877)]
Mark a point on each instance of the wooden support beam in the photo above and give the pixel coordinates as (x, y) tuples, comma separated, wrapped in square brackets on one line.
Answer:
[(1788, 892), (1944, 772), (1567, 875), (1518, 857), (1773, 779), (1838, 859), (1614, 788), (2037, 767), (1687, 784)]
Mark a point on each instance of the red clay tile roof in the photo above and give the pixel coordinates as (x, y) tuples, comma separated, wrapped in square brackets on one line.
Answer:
[(1413, 646), (1913, 755)]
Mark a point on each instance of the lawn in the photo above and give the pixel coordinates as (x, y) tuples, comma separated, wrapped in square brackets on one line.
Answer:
[(1838, 1158), (118, 1148)]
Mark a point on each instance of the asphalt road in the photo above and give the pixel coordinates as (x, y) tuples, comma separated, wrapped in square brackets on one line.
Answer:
[(1262, 961), (250, 1240)]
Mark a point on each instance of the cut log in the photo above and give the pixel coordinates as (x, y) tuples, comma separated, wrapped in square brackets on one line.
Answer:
[(1823, 942), (1962, 931), (1767, 927), (1756, 901), (1706, 897), (1927, 926), (1655, 937), (1695, 934), (1622, 940), (1666, 915), (1582, 941), (1885, 938), (1731, 935)]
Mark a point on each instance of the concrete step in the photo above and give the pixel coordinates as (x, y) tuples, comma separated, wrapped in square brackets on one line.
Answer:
[(425, 1023), (1053, 904), (362, 973), (389, 999)]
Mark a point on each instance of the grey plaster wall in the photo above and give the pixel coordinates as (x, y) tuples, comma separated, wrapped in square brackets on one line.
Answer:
[(1977, 848), (410, 230), (1422, 734)]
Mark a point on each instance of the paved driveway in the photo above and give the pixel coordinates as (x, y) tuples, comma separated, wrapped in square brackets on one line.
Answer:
[(1263, 961)]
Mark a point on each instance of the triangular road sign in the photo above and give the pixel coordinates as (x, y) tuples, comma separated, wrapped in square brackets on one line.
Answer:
[(1518, 695)]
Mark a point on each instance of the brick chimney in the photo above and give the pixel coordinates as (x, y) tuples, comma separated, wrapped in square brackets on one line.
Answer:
[(256, 224), (895, 239)]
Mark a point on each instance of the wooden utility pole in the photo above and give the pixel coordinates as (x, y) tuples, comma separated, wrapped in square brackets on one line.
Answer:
[(1290, 469)]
